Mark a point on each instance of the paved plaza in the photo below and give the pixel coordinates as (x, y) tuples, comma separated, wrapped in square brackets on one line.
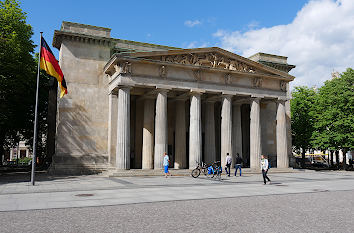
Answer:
[(308, 201)]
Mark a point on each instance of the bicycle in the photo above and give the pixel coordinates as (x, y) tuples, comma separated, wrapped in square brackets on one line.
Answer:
[(215, 170), (218, 170), (201, 168)]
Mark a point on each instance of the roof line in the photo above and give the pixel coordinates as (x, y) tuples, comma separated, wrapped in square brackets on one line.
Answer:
[(59, 32)]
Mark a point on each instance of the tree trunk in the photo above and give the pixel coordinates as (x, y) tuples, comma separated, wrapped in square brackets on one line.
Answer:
[(337, 158), (2, 152), (303, 158), (331, 152), (344, 159)]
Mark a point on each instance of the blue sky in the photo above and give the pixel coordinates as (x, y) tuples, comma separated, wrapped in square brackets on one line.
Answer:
[(161, 22), (244, 27)]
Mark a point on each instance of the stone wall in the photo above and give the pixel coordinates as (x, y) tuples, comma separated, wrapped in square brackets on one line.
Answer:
[(82, 121)]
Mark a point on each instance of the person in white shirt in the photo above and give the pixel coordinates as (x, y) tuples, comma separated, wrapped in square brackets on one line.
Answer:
[(166, 163), (264, 167), (228, 164)]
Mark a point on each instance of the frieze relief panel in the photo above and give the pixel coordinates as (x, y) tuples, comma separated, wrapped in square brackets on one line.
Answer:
[(123, 68), (211, 60), (283, 85), (257, 82), (197, 74), (227, 78), (163, 72)]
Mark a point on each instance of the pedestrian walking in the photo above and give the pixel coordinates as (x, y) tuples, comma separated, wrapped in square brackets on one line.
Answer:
[(228, 164), (264, 167), (166, 163), (238, 164)]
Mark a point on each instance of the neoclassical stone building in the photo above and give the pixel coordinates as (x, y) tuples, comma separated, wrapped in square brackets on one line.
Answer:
[(129, 102)]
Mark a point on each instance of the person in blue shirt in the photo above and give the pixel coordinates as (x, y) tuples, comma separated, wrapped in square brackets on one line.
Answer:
[(166, 162)]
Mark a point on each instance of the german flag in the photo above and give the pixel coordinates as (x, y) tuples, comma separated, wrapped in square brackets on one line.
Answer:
[(51, 66)]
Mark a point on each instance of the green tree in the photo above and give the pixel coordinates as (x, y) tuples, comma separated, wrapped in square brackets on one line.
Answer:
[(18, 69), (334, 114), (302, 121)]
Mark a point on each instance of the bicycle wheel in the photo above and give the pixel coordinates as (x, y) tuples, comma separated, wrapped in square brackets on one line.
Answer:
[(195, 173), (218, 174)]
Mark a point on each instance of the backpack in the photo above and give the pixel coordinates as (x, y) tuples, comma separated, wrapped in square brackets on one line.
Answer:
[(210, 170)]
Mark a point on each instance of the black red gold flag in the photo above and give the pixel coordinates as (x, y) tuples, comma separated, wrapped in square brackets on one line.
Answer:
[(51, 66)]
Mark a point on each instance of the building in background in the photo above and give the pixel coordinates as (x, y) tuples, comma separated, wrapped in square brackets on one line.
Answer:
[(19, 152)]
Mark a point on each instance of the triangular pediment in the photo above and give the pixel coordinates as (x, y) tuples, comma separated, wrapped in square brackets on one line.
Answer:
[(213, 57)]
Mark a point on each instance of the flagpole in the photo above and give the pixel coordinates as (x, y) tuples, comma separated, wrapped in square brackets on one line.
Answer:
[(36, 118)]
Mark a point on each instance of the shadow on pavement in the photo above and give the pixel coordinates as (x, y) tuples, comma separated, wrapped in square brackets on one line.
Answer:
[(25, 176)]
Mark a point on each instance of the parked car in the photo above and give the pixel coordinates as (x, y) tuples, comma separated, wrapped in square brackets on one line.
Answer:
[(307, 162), (319, 161)]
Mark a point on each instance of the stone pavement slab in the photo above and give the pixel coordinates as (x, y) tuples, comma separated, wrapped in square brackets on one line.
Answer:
[(100, 191)]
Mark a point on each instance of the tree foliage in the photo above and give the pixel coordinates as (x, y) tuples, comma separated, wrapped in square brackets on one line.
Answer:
[(334, 114), (302, 121), (18, 69), (324, 119)]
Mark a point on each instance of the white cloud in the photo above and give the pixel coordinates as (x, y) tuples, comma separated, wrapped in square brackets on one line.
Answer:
[(190, 23), (196, 44), (253, 24), (319, 40)]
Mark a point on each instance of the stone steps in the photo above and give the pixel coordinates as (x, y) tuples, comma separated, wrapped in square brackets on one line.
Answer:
[(112, 172)]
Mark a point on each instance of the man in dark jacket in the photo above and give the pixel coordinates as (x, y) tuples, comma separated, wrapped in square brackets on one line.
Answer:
[(238, 163)]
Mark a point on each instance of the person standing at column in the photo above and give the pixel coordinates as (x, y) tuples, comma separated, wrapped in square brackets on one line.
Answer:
[(228, 164), (264, 167), (166, 163), (238, 163)]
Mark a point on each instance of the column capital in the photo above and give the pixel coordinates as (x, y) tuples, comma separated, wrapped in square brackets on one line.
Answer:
[(228, 93), (124, 87), (282, 100), (113, 92), (196, 92), (162, 88), (162, 91), (227, 96), (257, 96), (256, 99)]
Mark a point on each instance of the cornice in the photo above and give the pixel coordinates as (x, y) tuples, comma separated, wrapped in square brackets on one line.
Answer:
[(60, 35)]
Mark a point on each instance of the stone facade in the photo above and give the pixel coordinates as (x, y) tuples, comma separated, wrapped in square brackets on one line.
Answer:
[(129, 102)]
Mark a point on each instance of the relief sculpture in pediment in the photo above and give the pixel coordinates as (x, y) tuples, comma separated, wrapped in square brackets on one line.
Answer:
[(211, 60)]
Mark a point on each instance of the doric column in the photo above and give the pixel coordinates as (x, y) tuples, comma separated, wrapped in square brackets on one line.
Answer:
[(282, 145), (148, 134), (226, 127), (180, 135), (160, 128), (195, 131), (236, 131), (123, 129), (112, 127), (209, 145), (255, 134)]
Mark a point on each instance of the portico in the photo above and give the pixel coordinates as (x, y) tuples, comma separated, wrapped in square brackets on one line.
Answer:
[(193, 109)]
